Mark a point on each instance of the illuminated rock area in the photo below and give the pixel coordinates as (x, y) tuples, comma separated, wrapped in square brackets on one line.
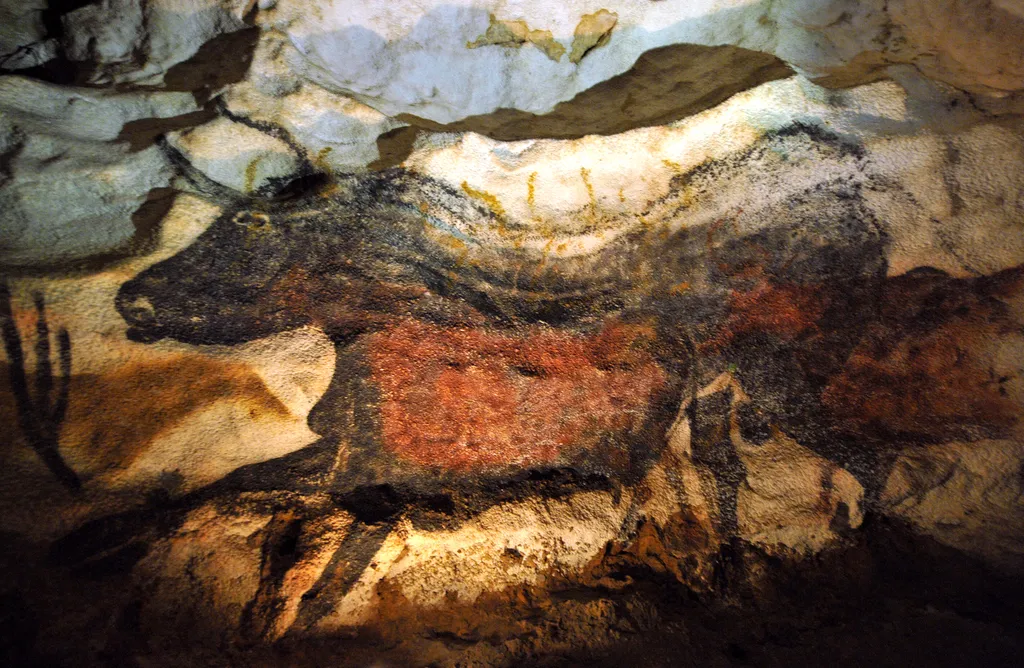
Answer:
[(478, 333)]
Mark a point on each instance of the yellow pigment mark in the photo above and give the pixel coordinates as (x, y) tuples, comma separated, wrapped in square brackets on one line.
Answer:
[(531, 191), (674, 166), (515, 34), (321, 159), (330, 190), (492, 203), (593, 31), (452, 242), (585, 175), (622, 196), (250, 174), (458, 246), (679, 288)]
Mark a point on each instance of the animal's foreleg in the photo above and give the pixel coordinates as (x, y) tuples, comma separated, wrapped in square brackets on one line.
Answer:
[(357, 550)]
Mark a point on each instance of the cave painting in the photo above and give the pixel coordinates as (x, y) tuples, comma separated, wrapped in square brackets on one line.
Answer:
[(472, 369), (42, 408)]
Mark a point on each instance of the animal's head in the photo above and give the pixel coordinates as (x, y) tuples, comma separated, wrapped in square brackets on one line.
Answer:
[(218, 290), (343, 260)]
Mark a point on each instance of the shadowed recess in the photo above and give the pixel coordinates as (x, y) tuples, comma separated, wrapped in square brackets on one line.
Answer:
[(664, 85)]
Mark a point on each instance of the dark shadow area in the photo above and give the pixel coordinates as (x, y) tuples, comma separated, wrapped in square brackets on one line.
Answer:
[(223, 60), (888, 597), (144, 132), (663, 86), (395, 146)]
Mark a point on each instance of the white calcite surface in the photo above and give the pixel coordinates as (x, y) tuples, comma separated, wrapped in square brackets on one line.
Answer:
[(416, 58), (73, 183)]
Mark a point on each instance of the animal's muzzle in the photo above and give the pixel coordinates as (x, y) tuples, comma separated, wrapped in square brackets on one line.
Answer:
[(139, 313)]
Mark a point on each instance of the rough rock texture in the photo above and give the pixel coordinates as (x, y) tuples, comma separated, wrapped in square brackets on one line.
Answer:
[(23, 41), (438, 334), (78, 179)]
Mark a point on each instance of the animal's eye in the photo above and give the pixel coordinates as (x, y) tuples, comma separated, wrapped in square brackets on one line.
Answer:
[(141, 310), (251, 219)]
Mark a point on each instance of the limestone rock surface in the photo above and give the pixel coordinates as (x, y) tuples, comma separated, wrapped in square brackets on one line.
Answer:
[(140, 42), (511, 333), (23, 40), (417, 62), (81, 177)]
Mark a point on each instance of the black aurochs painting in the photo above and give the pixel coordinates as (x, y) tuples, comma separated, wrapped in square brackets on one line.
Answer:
[(470, 372), (482, 360)]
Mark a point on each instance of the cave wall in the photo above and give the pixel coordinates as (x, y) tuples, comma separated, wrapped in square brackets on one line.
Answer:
[(486, 332)]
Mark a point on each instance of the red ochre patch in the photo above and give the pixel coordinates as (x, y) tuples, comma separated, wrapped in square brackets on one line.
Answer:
[(468, 398)]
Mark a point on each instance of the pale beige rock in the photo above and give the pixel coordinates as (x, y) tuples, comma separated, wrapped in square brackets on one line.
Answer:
[(965, 495), (974, 45), (319, 545), (592, 31), (793, 498), (920, 174), (549, 537), (515, 33)]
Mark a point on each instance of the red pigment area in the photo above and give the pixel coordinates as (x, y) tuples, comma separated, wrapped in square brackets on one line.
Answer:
[(469, 398), (784, 311)]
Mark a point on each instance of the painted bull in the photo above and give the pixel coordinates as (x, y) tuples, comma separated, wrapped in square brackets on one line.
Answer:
[(473, 366), (467, 359)]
